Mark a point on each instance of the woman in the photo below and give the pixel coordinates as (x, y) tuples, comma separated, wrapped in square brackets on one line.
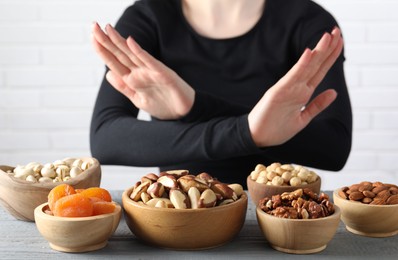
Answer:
[(228, 85)]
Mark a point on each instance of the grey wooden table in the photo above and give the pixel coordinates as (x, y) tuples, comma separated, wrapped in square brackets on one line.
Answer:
[(21, 240)]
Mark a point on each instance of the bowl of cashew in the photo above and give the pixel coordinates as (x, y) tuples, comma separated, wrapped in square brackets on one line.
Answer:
[(24, 187), (276, 178), (180, 211)]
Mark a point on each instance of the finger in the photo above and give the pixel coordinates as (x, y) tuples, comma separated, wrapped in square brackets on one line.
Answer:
[(318, 104), (325, 67), (107, 43), (148, 60), (120, 42), (296, 72), (326, 46), (318, 53), (109, 59), (120, 85)]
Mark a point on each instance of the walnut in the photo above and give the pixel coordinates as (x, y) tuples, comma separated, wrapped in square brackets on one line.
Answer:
[(285, 212), (301, 204)]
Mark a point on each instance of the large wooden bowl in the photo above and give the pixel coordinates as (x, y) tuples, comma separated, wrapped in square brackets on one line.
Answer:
[(259, 191), (20, 197), (184, 229), (368, 220), (298, 236), (80, 234)]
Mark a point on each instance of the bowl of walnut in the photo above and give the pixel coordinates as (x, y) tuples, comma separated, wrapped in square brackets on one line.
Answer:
[(24, 187), (369, 208), (181, 211), (298, 222), (276, 178)]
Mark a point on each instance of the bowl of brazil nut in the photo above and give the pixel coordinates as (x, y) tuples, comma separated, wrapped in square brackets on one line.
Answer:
[(369, 208), (276, 178), (181, 211), (24, 187), (298, 222)]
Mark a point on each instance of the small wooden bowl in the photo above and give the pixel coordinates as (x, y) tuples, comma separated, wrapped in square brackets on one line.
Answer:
[(368, 220), (20, 197), (259, 191), (184, 229), (298, 236), (81, 234)]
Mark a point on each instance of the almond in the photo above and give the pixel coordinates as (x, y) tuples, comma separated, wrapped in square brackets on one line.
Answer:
[(343, 194), (369, 194), (379, 188), (392, 200), (384, 195), (356, 195), (365, 186)]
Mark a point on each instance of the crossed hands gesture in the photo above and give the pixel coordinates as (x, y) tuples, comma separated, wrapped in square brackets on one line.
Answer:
[(281, 113)]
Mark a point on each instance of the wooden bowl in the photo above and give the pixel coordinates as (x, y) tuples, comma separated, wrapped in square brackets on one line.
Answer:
[(20, 197), (298, 236), (184, 229), (368, 220), (81, 234), (259, 191)]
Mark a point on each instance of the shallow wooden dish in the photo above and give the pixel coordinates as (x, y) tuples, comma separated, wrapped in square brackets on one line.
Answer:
[(259, 191), (76, 234), (298, 236), (20, 197), (368, 220), (184, 229)]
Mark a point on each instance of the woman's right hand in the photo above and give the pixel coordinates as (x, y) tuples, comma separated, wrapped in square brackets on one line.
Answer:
[(148, 83), (285, 110)]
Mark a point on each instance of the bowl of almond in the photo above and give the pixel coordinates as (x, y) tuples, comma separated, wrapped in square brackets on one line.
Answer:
[(276, 178), (369, 208), (181, 211)]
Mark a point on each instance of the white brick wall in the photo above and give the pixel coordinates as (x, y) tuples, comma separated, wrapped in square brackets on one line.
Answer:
[(49, 77)]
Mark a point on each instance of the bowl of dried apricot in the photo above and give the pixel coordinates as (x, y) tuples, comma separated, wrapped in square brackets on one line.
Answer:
[(181, 211), (24, 187), (77, 220), (276, 178), (298, 222), (369, 208)]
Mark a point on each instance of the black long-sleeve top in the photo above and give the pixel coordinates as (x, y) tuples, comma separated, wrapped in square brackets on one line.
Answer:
[(229, 77)]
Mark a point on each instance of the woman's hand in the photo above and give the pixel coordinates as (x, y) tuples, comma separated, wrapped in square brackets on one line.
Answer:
[(147, 82), (284, 110)]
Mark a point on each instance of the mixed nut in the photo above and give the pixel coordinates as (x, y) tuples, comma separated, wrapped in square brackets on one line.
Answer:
[(57, 171), (375, 193), (283, 174), (181, 190), (298, 204)]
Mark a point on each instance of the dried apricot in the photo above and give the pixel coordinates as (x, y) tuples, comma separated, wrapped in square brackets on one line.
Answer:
[(101, 193), (58, 192), (75, 205), (103, 207)]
